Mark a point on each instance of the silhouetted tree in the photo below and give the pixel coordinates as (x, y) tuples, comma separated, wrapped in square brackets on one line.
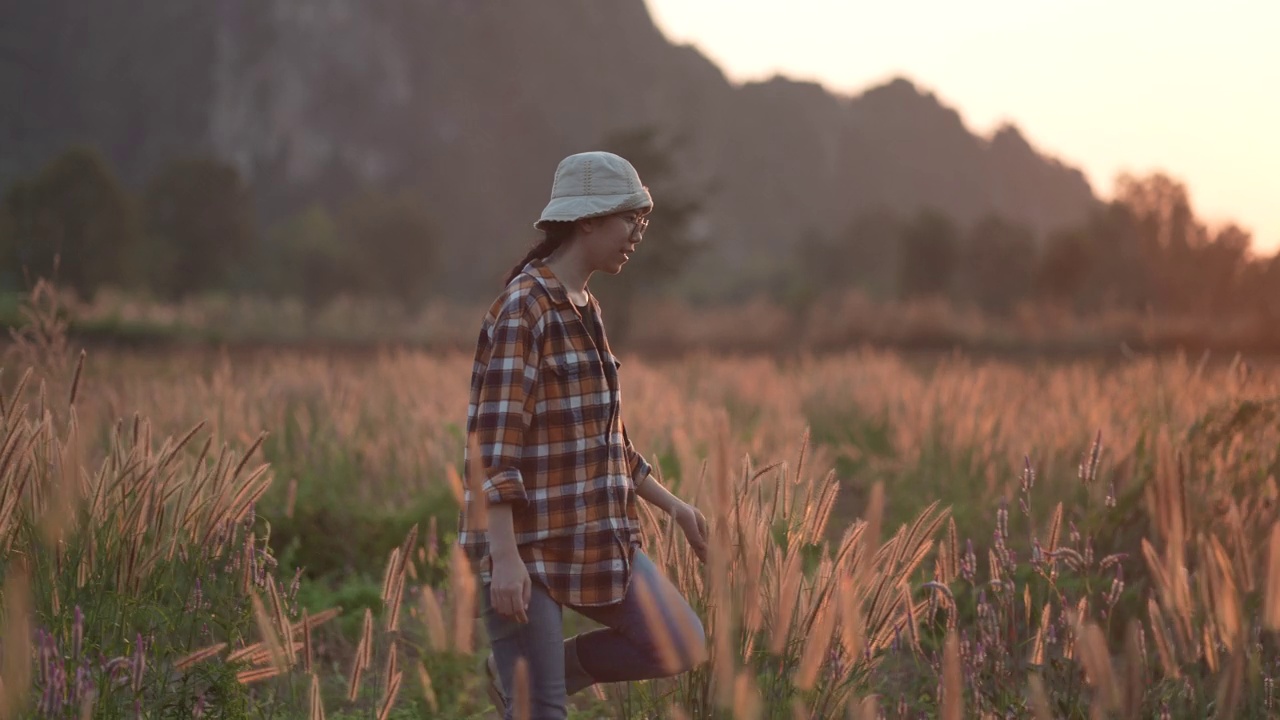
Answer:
[(1220, 268), (1168, 236), (864, 256), (391, 243), (929, 256), (998, 264), (668, 243), (200, 227), (1259, 291), (1066, 266), (873, 243), (76, 210), (308, 260)]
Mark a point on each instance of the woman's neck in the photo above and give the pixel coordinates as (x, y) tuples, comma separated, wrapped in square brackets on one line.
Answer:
[(572, 272)]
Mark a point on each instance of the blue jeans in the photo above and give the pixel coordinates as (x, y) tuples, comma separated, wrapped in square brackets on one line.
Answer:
[(627, 648)]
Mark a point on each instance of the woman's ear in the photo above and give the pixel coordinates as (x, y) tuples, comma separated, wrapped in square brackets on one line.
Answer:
[(587, 225)]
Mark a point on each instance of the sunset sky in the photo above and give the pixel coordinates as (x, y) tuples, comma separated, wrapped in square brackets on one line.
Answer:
[(1190, 88)]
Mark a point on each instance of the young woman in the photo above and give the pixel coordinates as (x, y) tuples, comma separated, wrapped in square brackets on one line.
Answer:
[(561, 477)]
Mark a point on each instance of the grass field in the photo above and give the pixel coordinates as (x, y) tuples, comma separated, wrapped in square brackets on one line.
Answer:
[(270, 535)]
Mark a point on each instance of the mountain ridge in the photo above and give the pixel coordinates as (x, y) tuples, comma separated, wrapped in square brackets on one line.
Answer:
[(471, 103)]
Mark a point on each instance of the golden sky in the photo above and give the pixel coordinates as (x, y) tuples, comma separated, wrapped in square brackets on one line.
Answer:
[(1189, 88)]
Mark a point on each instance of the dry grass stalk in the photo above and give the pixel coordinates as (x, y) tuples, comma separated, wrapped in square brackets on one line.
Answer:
[(1271, 599), (1096, 660), (15, 673), (282, 623), (392, 690), (455, 485), (1230, 689), (433, 619), (388, 573), (1135, 670), (315, 621), (1224, 595), (1037, 649), (911, 619), (262, 655), (253, 675), (464, 601), (259, 649), (308, 651), (747, 704), (393, 589), (315, 704), (199, 656), (363, 656), (952, 684), (392, 668), (522, 695), (1055, 529), (428, 691), (786, 597), (952, 551), (868, 708), (1039, 699), (815, 646), (291, 497), (1164, 644), (875, 518), (245, 652), (268, 632), (1170, 580)]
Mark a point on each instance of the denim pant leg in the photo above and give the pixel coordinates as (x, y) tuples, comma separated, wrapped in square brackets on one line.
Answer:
[(627, 648), (541, 643)]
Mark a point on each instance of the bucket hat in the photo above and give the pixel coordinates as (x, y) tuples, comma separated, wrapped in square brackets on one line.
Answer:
[(592, 184)]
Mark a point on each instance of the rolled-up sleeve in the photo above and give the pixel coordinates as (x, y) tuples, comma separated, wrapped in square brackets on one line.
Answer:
[(506, 403), (640, 468)]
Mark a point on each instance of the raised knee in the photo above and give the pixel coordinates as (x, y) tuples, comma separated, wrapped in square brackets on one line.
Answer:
[(691, 643)]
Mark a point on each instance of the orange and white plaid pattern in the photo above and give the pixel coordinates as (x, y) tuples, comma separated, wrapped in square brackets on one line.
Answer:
[(545, 412)]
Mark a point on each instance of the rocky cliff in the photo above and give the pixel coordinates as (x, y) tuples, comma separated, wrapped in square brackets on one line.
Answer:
[(472, 102)]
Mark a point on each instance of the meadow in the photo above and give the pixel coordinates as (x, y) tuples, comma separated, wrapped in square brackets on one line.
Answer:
[(269, 534)]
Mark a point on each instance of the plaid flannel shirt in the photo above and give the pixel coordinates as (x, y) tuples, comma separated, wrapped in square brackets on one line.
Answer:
[(545, 410)]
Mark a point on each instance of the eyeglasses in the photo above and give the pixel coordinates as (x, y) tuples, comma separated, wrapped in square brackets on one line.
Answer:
[(639, 223)]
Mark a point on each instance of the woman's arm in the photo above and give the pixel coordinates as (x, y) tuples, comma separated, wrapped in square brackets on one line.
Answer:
[(688, 517), (510, 588), (654, 493)]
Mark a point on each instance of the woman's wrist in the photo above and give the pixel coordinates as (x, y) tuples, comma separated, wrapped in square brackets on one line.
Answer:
[(653, 492)]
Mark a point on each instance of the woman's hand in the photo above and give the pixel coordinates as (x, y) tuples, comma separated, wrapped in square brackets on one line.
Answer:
[(694, 524), (510, 588)]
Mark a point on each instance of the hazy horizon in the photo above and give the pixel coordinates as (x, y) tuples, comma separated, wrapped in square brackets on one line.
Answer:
[(1143, 87)]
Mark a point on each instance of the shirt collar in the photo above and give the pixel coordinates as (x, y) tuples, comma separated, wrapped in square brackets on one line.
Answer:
[(540, 272)]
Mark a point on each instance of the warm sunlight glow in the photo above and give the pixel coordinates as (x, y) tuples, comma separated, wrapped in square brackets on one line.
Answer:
[(1183, 87)]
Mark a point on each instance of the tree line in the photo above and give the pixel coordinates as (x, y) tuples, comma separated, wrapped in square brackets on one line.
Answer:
[(1144, 250), (193, 228)]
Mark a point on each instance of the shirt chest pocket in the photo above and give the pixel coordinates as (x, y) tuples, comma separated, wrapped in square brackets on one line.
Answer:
[(577, 391)]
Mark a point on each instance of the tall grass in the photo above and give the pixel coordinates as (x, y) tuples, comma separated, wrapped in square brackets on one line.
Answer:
[(130, 564), (956, 538)]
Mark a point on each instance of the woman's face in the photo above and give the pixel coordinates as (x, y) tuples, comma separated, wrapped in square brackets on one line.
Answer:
[(613, 238)]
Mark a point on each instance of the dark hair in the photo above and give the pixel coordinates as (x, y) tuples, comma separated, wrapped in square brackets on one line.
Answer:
[(554, 233)]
